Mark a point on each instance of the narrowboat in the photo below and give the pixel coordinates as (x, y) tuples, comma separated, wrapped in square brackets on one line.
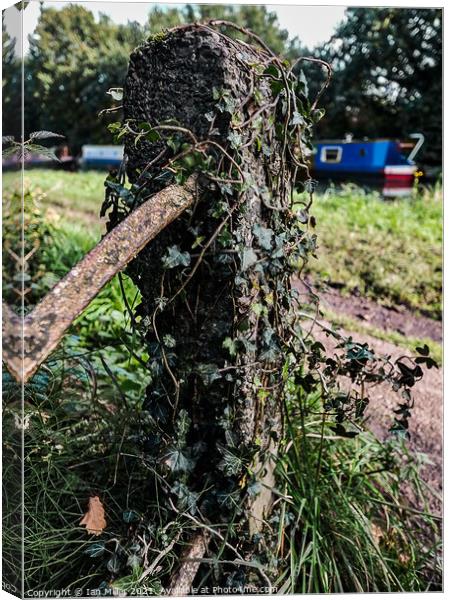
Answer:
[(100, 157), (384, 161)]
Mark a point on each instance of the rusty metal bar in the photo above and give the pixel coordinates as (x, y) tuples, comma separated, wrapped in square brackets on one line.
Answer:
[(44, 327)]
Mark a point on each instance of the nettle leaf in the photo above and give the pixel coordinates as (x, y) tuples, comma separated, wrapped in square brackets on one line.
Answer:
[(6, 152), (264, 236), (44, 135), (174, 258), (37, 149)]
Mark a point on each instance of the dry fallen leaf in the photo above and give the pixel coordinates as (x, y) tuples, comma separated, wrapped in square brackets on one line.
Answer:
[(94, 518), (377, 533)]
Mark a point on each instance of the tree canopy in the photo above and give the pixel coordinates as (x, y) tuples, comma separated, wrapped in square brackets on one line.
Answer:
[(387, 77), (387, 69)]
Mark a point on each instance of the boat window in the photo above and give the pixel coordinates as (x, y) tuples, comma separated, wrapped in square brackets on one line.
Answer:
[(331, 154)]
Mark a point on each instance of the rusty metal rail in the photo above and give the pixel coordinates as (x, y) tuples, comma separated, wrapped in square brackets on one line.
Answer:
[(28, 342)]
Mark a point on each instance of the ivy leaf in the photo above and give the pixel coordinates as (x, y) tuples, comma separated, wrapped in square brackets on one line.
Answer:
[(113, 565), (169, 341), (264, 236), (424, 351), (303, 85), (208, 373), (235, 139), (130, 516), (297, 119), (187, 500), (341, 431), (95, 550), (174, 258), (178, 461), (249, 258), (231, 464), (427, 360), (318, 114), (116, 93), (134, 561), (230, 345)]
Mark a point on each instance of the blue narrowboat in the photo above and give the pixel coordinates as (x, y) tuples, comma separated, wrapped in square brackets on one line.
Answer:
[(101, 157), (382, 160)]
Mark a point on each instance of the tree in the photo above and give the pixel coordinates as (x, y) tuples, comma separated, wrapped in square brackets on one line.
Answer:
[(75, 59), (11, 86), (387, 76), (73, 62)]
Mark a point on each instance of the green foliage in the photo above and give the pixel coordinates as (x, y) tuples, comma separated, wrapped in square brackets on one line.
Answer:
[(88, 429), (73, 62), (11, 85), (387, 76), (388, 251), (75, 59)]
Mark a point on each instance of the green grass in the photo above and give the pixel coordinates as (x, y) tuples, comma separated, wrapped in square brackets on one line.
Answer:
[(342, 522), (390, 251), (76, 197), (346, 525)]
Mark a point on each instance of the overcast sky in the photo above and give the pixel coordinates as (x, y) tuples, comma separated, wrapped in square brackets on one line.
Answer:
[(312, 24)]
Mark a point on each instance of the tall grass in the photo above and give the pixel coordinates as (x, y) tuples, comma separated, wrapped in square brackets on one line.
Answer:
[(347, 524)]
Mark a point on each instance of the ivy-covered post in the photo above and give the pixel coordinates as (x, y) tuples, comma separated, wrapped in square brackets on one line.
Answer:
[(217, 302)]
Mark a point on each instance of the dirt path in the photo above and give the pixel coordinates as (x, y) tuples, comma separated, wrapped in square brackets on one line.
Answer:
[(369, 312), (426, 423), (398, 319)]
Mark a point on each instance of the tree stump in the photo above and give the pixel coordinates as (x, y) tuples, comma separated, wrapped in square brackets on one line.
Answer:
[(213, 281)]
